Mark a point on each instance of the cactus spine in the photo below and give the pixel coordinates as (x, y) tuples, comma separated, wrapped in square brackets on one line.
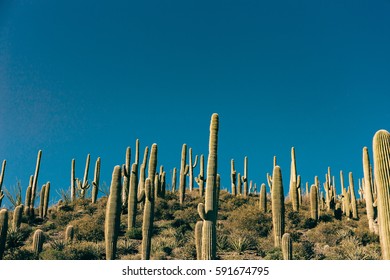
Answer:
[(96, 180), (183, 172), (38, 240), (3, 230), (113, 212), (381, 148), (1, 180), (191, 166), (277, 205), (314, 202), (367, 187), (200, 179), (287, 246), (263, 198), (294, 182), (209, 210), (132, 199)]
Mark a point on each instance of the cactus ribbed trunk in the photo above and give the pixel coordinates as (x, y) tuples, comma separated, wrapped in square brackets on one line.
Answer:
[(3, 230), (17, 220), (174, 175), (233, 177), (1, 180), (313, 202), (73, 181), (148, 217), (294, 182), (38, 240), (263, 198), (245, 178), (381, 148), (113, 212), (367, 187), (353, 197), (287, 247), (69, 234), (200, 179), (46, 200), (126, 178), (96, 181), (209, 210), (132, 199), (35, 182), (198, 239), (191, 166), (183, 173), (277, 206)]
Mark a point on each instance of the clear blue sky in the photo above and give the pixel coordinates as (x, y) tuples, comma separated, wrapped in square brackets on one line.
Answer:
[(79, 77)]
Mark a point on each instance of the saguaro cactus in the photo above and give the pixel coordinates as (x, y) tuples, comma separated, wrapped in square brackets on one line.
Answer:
[(132, 199), (3, 230), (277, 206), (233, 177), (126, 177), (73, 181), (38, 240), (381, 148), (183, 173), (148, 217), (174, 179), (198, 239), (41, 201), (84, 185), (17, 220), (69, 234), (287, 246), (113, 212), (263, 198), (28, 197), (208, 211), (35, 182), (353, 197), (191, 166), (46, 200), (245, 177), (294, 182), (96, 180), (368, 190), (314, 202), (200, 179), (1, 180)]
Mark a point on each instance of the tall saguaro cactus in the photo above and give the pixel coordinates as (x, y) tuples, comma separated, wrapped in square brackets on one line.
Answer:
[(314, 202), (245, 178), (200, 179), (233, 177), (277, 195), (287, 246), (96, 180), (113, 212), (38, 240), (191, 166), (1, 179), (209, 210), (35, 182), (3, 230), (126, 177), (381, 148), (73, 181), (368, 190), (263, 199), (294, 182), (174, 172), (132, 199), (353, 197), (148, 217), (183, 173)]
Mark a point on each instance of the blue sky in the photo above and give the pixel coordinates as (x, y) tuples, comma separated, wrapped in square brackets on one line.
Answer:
[(92, 77)]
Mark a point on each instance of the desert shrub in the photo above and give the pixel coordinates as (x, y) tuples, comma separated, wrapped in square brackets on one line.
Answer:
[(162, 210), (187, 215), (127, 247), (233, 202), (293, 219), (135, 233), (90, 228), (15, 239), (303, 250), (249, 218), (20, 254), (326, 218), (274, 254), (62, 218), (309, 223), (351, 248), (240, 242)]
